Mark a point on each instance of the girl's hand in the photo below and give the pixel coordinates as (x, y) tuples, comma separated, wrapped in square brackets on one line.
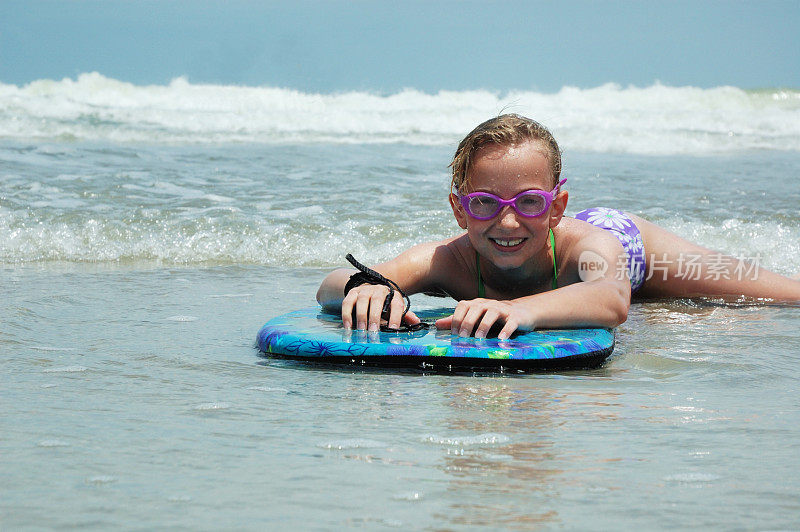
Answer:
[(365, 303), (477, 316)]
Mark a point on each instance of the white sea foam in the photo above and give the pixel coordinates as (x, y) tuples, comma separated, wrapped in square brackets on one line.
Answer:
[(66, 369), (211, 407), (279, 244), (182, 318), (410, 496), (478, 439), (159, 240), (129, 196), (609, 118), (101, 479), (692, 477), (353, 443), (53, 443), (269, 389)]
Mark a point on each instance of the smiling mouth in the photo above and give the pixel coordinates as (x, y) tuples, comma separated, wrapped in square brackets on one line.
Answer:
[(507, 243)]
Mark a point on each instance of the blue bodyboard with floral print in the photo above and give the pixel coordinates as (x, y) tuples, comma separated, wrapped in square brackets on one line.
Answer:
[(315, 335)]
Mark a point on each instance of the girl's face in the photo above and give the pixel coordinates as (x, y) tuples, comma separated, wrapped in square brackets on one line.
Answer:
[(509, 240)]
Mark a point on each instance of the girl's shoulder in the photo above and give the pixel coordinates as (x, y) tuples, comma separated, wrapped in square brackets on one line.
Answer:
[(441, 255), (568, 234), (573, 229), (572, 236), (443, 264)]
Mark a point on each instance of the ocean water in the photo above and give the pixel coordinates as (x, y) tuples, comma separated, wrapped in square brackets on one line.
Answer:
[(146, 233)]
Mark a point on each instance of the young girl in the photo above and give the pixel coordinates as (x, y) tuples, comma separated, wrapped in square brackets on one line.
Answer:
[(521, 264)]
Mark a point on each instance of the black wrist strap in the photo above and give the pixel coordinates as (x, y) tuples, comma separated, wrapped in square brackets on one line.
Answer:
[(369, 276)]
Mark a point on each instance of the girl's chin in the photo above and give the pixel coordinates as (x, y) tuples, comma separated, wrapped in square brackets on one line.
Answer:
[(508, 261), (508, 265)]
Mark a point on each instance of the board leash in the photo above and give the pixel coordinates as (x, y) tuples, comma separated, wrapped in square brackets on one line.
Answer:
[(367, 275)]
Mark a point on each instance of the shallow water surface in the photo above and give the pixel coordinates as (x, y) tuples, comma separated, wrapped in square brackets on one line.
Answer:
[(134, 280), (135, 398)]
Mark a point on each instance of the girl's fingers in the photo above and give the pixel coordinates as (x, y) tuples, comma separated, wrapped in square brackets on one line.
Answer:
[(505, 333), (472, 317), (444, 323), (362, 310), (477, 317), (363, 307), (357, 307), (411, 318), (347, 309), (396, 311), (458, 316), (347, 322), (489, 318), (375, 308)]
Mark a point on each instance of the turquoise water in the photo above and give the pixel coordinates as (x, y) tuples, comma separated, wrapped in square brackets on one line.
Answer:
[(134, 398), (134, 277)]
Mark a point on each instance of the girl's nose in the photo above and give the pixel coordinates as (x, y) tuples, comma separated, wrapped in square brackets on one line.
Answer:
[(508, 217)]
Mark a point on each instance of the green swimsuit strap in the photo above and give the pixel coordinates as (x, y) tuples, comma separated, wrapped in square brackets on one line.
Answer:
[(555, 269), (482, 289)]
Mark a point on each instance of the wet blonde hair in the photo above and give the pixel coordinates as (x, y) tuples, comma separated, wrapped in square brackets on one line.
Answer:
[(503, 130)]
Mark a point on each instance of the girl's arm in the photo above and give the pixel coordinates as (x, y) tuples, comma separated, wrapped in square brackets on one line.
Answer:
[(596, 298), (330, 293), (413, 270), (362, 304)]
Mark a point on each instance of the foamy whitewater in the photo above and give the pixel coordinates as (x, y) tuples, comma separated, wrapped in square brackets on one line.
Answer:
[(98, 170), (146, 234), (610, 118)]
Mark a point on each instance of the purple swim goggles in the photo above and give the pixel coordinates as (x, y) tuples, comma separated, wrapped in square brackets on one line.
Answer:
[(528, 203)]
